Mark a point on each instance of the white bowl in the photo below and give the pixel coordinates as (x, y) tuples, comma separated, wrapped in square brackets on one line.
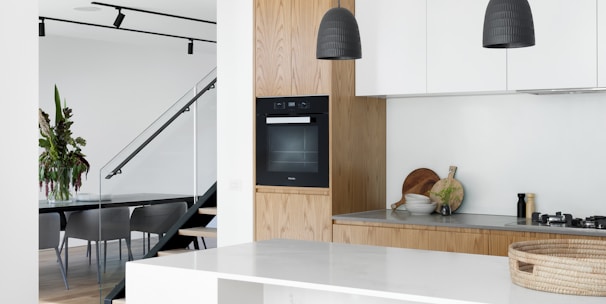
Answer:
[(419, 209), (416, 197)]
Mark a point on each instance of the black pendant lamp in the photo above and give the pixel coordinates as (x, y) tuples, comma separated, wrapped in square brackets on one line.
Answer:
[(338, 36), (508, 24)]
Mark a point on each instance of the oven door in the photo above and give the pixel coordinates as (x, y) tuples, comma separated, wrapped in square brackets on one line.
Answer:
[(292, 150)]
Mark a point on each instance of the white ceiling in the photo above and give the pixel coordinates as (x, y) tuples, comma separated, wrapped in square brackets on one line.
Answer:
[(84, 11)]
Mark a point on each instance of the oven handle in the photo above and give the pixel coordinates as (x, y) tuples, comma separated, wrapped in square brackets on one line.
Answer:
[(288, 120)]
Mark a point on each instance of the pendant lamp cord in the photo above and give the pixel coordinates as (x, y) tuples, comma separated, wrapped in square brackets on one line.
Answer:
[(339, 3)]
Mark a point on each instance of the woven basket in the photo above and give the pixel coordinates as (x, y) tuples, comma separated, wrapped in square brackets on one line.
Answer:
[(573, 266)]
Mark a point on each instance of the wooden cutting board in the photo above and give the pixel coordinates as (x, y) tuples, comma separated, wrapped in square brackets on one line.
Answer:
[(419, 181), (456, 195)]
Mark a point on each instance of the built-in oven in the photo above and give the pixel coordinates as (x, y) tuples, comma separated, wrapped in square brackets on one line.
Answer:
[(292, 141)]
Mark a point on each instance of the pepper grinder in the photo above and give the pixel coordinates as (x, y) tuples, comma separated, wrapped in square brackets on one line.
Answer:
[(529, 205), (521, 205)]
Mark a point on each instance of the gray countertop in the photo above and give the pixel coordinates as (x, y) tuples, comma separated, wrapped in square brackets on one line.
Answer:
[(462, 220)]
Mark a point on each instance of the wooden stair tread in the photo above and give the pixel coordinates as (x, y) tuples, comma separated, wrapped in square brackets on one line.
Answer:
[(208, 210), (119, 301), (199, 232), (173, 251)]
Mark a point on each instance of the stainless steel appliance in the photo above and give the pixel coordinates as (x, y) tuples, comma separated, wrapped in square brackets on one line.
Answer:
[(567, 220), (292, 141)]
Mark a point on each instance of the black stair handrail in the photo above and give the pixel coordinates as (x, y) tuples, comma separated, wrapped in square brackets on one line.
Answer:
[(183, 109), (172, 239)]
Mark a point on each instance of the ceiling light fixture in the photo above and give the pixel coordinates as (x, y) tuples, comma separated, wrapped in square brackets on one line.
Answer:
[(119, 19), (41, 28), (338, 36), (191, 39), (118, 7), (508, 24), (190, 47)]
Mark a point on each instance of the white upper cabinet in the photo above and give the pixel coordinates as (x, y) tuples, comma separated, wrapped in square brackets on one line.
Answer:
[(456, 60), (392, 33), (601, 43), (566, 48)]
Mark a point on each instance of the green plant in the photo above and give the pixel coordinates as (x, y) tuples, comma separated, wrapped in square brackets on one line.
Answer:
[(448, 194), (62, 162)]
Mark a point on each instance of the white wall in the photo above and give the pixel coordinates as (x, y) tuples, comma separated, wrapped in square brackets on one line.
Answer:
[(551, 145), (19, 161), (235, 121), (115, 92)]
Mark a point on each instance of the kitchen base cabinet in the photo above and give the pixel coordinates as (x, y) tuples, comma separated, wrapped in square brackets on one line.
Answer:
[(293, 213), (462, 240)]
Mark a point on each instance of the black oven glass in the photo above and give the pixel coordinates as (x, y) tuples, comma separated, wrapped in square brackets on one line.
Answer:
[(292, 141), (292, 148)]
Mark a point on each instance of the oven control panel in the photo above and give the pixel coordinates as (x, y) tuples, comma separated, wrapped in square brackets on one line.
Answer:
[(292, 105)]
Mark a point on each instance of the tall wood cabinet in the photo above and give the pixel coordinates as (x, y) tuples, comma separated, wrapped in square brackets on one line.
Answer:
[(286, 65)]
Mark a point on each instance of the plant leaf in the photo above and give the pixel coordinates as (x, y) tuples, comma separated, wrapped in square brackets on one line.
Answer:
[(58, 112)]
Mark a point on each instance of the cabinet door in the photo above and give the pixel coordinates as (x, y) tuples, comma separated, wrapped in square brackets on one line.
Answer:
[(309, 75), (565, 52), (456, 60), (601, 43), (272, 47), (392, 33), (293, 216)]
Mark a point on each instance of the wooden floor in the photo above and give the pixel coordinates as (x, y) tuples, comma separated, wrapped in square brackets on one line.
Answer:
[(82, 277)]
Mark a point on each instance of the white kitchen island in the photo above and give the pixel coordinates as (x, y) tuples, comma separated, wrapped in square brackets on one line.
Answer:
[(300, 272)]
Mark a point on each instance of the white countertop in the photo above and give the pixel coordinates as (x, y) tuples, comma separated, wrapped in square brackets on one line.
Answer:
[(403, 274)]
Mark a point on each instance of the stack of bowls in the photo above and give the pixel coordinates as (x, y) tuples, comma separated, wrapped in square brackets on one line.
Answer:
[(419, 204)]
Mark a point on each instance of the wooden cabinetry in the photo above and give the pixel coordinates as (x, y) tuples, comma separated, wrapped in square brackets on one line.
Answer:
[(300, 213), (412, 236), (285, 53), (456, 60), (286, 65), (393, 39), (601, 42), (464, 240), (565, 52)]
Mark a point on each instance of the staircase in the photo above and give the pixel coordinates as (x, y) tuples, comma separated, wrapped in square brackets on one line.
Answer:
[(186, 231)]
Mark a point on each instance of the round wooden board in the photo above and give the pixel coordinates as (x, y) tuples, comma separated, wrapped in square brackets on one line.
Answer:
[(442, 184), (419, 181)]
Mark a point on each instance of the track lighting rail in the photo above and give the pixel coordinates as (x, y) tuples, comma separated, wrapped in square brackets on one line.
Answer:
[(43, 18), (151, 12)]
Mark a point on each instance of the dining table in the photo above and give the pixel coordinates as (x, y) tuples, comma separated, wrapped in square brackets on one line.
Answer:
[(109, 201)]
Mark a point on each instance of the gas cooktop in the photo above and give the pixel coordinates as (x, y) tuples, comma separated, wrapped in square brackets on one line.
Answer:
[(567, 220)]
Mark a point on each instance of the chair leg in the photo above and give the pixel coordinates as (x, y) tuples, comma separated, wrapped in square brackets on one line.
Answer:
[(88, 252), (66, 255), (120, 248), (98, 265), (104, 256), (143, 243), (203, 242), (61, 268), (148, 242), (196, 245), (130, 253)]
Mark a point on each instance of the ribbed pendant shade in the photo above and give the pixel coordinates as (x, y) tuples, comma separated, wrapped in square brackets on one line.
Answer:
[(338, 36), (508, 24)]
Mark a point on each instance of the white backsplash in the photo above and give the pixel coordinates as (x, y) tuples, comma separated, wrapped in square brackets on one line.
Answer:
[(554, 146)]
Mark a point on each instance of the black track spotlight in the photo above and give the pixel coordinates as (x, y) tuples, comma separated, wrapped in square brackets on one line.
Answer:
[(338, 36), (41, 29), (190, 47), (508, 24), (119, 18)]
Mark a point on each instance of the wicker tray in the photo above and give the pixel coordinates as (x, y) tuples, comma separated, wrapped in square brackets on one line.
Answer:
[(573, 266)]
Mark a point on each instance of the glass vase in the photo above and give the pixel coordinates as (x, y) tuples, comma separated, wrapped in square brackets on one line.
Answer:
[(60, 190)]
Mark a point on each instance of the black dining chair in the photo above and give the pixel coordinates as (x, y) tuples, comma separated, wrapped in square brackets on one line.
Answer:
[(97, 225), (49, 233)]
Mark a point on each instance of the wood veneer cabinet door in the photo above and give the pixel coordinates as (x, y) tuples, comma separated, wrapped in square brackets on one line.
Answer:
[(309, 75), (293, 216), (459, 240), (273, 62)]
